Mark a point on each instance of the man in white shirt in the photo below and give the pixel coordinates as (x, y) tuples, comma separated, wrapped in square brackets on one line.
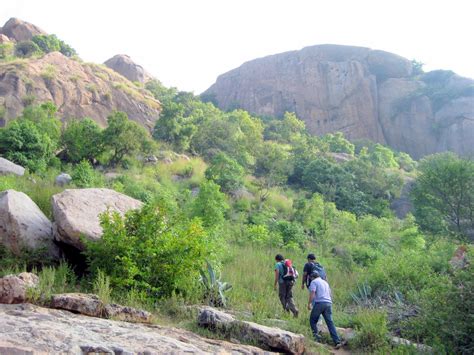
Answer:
[(320, 302)]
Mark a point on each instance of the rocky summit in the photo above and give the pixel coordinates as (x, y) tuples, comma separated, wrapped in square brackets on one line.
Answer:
[(78, 89), (364, 93)]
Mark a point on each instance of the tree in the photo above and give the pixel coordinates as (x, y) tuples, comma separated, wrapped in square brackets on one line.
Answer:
[(226, 172), (336, 143), (210, 205), (124, 137), (33, 138), (273, 164), (22, 143), (444, 192), (288, 130), (82, 140)]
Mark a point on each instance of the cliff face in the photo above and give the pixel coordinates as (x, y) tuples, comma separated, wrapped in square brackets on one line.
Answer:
[(361, 92)]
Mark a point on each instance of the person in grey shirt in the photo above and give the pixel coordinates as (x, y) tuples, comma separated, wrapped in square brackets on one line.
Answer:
[(320, 302)]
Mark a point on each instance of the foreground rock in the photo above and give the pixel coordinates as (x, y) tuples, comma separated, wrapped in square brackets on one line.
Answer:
[(76, 213), (14, 288), (31, 329), (90, 305), (7, 168), (269, 338), (124, 65), (24, 226)]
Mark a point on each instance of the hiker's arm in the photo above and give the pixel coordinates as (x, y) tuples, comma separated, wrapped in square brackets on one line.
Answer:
[(277, 276), (303, 281), (311, 298)]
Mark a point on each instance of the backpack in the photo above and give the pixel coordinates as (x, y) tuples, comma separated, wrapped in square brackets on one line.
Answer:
[(289, 272), (320, 269)]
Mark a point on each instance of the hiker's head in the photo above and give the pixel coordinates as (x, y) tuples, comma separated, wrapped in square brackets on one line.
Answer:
[(314, 275), (279, 257), (311, 257)]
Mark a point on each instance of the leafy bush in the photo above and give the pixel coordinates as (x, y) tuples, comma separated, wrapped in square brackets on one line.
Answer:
[(226, 172), (82, 140), (51, 43), (84, 175), (210, 205), (150, 250), (26, 49), (371, 328)]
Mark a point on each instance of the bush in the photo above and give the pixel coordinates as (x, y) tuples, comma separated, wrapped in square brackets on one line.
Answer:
[(150, 250), (371, 328), (26, 49), (83, 175), (226, 172), (82, 140)]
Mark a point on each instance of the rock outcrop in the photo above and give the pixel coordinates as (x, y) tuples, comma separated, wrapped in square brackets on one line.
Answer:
[(28, 329), (364, 93), (91, 305), (270, 338), (20, 30), (76, 213), (125, 66), (78, 90), (7, 168), (13, 288), (23, 225)]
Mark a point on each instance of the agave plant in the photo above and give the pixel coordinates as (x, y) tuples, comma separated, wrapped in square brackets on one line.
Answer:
[(214, 288)]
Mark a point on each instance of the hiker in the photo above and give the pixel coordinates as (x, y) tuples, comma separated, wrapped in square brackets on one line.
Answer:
[(320, 302), (310, 267), (285, 276)]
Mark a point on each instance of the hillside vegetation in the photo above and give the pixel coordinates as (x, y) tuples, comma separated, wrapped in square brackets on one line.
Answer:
[(231, 190)]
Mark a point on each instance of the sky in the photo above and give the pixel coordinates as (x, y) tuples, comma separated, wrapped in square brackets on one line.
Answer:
[(188, 43)]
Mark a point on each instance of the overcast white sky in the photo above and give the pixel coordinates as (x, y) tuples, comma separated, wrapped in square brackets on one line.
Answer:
[(188, 43)]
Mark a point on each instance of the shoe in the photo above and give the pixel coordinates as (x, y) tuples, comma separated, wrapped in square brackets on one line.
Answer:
[(338, 346), (296, 314)]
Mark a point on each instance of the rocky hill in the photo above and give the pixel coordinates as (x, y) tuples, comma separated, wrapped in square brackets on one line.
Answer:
[(367, 94), (78, 89)]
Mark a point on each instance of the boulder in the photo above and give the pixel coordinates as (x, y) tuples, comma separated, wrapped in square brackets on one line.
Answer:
[(7, 167), (63, 179), (29, 329), (402, 205), (13, 288), (23, 225), (20, 30), (124, 65), (4, 39), (76, 213), (270, 338), (91, 305)]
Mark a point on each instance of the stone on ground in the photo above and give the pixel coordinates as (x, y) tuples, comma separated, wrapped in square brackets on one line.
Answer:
[(13, 288)]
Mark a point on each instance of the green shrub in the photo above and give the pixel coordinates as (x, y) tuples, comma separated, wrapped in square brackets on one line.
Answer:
[(102, 287), (84, 175), (150, 250), (372, 331), (26, 49)]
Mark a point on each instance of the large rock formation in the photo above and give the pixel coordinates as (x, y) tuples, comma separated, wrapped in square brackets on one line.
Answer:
[(125, 66), (19, 30), (28, 329), (23, 225), (364, 93), (76, 213), (78, 89)]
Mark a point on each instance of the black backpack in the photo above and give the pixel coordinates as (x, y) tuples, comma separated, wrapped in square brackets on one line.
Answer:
[(319, 269)]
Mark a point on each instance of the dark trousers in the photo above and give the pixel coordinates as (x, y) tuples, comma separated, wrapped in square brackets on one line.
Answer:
[(326, 310), (285, 292)]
